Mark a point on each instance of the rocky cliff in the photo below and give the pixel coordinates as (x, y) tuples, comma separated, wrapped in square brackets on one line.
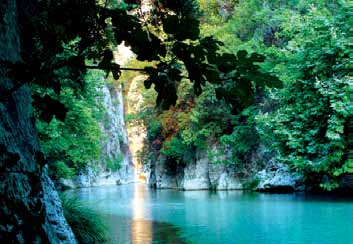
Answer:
[(115, 147), (205, 172), (30, 208)]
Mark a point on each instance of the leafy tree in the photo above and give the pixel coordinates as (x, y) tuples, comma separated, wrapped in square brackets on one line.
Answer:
[(68, 38), (307, 122), (316, 102), (163, 39), (70, 144), (229, 81)]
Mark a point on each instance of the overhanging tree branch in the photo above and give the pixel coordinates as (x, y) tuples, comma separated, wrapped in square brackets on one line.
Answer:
[(120, 68), (6, 93)]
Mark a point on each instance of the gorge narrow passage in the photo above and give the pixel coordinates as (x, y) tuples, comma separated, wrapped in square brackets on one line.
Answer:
[(176, 121)]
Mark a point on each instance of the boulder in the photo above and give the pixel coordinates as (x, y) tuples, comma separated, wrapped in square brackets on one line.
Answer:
[(278, 178)]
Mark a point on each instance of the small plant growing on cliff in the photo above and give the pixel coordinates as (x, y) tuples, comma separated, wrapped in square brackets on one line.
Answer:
[(251, 184), (114, 164), (84, 221), (175, 148), (62, 170)]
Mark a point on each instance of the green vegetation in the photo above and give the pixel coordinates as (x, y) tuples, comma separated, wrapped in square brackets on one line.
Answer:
[(246, 74), (316, 103), (68, 53), (242, 74), (69, 145), (114, 164), (85, 222), (304, 123)]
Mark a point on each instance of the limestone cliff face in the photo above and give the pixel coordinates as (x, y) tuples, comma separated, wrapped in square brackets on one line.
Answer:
[(198, 174), (30, 208), (203, 173), (115, 147)]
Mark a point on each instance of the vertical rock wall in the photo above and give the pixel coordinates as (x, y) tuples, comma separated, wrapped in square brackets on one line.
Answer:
[(30, 208), (198, 174), (115, 146), (203, 173), (136, 129)]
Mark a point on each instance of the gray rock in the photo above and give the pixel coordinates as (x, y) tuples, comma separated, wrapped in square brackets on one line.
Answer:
[(55, 224), (202, 174), (115, 146), (164, 178), (197, 174), (30, 208), (228, 182), (277, 177), (223, 176)]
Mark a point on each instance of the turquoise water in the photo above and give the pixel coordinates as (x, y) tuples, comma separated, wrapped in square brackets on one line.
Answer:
[(136, 214)]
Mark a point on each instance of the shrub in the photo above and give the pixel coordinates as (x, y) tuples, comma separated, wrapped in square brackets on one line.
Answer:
[(114, 164), (251, 184), (85, 222), (62, 170), (175, 148)]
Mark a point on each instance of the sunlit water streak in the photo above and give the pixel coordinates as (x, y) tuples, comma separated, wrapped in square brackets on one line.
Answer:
[(141, 231)]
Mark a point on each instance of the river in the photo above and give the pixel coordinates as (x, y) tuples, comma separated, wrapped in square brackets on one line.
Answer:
[(139, 215)]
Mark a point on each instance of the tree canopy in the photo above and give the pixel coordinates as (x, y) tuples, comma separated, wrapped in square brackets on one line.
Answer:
[(305, 124), (170, 37)]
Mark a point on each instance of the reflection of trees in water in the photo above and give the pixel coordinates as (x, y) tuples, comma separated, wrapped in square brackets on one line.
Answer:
[(123, 230), (162, 232), (167, 233)]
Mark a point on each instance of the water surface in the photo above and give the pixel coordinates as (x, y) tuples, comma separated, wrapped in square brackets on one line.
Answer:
[(136, 214)]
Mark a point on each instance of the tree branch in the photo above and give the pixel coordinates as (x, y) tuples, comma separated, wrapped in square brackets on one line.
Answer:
[(5, 94), (120, 68)]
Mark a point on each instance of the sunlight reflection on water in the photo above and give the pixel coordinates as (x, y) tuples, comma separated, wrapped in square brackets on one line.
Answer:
[(141, 231)]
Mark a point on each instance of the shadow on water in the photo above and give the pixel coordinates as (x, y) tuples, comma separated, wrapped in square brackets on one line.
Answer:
[(140, 231)]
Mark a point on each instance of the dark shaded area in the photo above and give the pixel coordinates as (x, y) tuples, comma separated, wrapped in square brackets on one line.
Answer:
[(145, 231), (278, 189), (49, 108)]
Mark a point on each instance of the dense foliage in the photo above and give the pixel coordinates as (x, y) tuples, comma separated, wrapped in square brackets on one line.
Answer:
[(70, 37), (69, 145), (216, 81), (306, 123), (311, 125)]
